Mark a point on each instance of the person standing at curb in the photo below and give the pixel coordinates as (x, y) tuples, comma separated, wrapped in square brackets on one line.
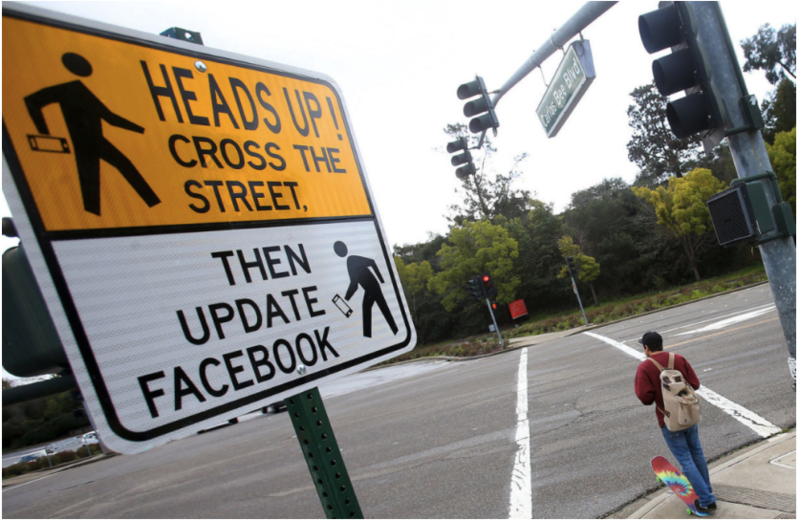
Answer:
[(684, 444)]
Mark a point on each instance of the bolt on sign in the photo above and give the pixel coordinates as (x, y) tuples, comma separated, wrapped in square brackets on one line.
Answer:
[(200, 224)]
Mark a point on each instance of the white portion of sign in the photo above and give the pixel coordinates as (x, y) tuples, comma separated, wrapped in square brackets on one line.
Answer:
[(182, 323)]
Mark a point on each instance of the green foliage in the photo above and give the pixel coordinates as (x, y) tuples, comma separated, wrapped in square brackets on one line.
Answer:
[(40, 420), (774, 52), (653, 146), (475, 248), (588, 268), (783, 156), (539, 260), (84, 451), (779, 110), (487, 194), (681, 208)]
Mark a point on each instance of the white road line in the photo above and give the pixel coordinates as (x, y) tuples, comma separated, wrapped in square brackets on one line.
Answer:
[(619, 345), (748, 418), (761, 426), (728, 321), (693, 324), (521, 506), (27, 482)]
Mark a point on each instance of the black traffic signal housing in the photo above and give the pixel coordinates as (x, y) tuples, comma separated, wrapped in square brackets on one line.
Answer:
[(487, 283), (482, 107), (31, 345), (463, 160), (742, 213), (573, 271), (701, 110), (474, 288)]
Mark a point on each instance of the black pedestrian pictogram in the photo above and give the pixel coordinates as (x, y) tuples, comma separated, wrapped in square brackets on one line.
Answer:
[(358, 268), (84, 114)]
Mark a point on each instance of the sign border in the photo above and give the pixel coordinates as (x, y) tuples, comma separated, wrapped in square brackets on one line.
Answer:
[(46, 238)]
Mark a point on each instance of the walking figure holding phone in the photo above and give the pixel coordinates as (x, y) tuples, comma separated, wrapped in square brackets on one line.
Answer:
[(84, 114), (358, 268)]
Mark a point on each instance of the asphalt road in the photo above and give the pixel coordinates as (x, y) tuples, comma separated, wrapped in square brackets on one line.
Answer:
[(438, 439)]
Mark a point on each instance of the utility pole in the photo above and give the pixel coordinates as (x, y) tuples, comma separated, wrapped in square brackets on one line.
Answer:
[(571, 269), (717, 105), (497, 329), (751, 159)]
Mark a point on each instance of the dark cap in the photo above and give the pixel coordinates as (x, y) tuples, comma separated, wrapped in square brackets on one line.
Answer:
[(651, 339)]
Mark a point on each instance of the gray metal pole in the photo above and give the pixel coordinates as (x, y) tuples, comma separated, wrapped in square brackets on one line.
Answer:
[(491, 312), (750, 158), (579, 21), (587, 14), (577, 294)]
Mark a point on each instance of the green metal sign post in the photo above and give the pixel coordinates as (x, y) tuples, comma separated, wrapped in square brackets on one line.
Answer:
[(315, 435)]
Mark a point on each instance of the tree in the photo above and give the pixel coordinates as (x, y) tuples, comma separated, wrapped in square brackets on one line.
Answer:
[(681, 208), (539, 260), (487, 195), (588, 268), (414, 278), (653, 146), (783, 156), (475, 248), (772, 51), (779, 110)]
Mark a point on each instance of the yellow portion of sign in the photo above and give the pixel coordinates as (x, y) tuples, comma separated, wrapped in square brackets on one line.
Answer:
[(112, 134)]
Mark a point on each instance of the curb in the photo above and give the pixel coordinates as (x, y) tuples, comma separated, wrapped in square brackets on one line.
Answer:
[(639, 507)]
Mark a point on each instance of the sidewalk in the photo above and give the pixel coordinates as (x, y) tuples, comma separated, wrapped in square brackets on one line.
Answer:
[(758, 482)]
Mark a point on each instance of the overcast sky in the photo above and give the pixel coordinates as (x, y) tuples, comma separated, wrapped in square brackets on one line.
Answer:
[(399, 65)]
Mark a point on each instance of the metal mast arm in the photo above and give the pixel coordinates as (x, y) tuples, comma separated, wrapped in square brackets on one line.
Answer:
[(580, 20)]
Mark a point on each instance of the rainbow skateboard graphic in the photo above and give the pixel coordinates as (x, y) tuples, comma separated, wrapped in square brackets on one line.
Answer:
[(677, 482)]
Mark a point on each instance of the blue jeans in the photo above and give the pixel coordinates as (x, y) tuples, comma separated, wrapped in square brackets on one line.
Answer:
[(685, 446)]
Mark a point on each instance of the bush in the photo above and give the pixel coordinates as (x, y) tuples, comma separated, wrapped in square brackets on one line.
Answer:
[(36, 465), (14, 470), (65, 456)]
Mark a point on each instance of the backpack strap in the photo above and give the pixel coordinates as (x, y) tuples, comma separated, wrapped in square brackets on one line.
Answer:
[(661, 368)]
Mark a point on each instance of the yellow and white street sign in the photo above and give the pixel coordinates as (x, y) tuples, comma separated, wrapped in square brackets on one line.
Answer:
[(132, 135), (199, 222)]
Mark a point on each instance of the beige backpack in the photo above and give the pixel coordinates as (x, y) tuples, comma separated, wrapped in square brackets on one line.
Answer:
[(681, 404)]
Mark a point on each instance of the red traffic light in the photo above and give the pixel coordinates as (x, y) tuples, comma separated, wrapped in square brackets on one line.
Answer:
[(494, 305), (486, 278)]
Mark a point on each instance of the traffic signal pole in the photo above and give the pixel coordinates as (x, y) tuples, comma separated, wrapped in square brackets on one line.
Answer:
[(497, 329), (587, 14), (577, 294), (751, 159)]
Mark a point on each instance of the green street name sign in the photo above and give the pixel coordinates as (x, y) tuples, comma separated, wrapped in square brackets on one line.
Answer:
[(570, 82)]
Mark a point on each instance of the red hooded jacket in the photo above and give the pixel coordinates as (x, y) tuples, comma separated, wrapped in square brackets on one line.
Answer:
[(648, 385)]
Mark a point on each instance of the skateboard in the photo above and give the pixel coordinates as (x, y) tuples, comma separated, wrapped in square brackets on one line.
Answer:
[(677, 482)]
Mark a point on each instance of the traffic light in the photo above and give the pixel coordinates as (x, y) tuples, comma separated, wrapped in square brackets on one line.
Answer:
[(702, 109), (464, 159), (494, 305), (573, 271), (481, 107), (474, 288), (31, 345), (488, 286)]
